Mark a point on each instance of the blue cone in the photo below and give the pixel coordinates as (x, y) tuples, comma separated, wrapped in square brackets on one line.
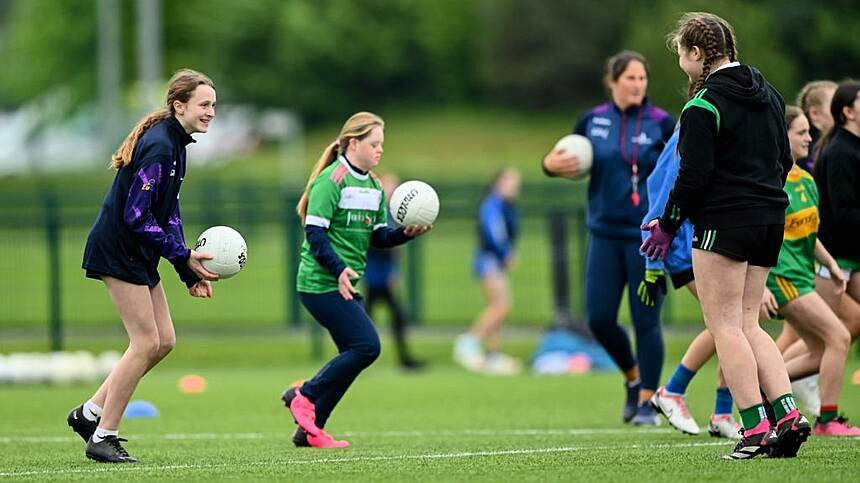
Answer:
[(140, 409)]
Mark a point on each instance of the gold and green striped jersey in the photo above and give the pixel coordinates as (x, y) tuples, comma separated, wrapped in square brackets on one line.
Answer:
[(797, 255), (349, 205)]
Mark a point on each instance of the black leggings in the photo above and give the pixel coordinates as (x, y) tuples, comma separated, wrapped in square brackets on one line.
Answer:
[(357, 343)]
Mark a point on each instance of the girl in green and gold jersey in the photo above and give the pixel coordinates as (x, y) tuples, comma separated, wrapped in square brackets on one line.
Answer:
[(791, 293)]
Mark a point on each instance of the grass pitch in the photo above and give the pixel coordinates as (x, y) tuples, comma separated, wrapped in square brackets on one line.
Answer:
[(441, 424)]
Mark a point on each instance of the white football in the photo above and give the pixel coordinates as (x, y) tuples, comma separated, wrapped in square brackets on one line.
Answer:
[(227, 247), (414, 203), (579, 146)]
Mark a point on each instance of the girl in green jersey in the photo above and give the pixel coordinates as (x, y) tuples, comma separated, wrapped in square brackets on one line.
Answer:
[(790, 290), (343, 211)]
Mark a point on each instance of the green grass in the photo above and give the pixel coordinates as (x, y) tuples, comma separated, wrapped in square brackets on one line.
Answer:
[(441, 425)]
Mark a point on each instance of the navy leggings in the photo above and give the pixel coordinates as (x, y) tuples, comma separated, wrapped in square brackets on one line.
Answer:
[(609, 266), (357, 343)]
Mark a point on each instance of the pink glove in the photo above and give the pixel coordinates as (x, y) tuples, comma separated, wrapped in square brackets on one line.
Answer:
[(658, 242)]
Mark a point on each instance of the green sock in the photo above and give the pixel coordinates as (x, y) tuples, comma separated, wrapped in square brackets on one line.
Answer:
[(783, 405), (828, 413), (752, 415)]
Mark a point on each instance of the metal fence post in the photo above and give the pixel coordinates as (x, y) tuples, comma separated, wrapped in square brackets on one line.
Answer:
[(294, 239), (559, 267), (414, 283), (52, 235), (293, 255), (582, 247)]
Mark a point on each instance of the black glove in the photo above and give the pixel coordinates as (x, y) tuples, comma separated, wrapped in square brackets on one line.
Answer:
[(654, 281)]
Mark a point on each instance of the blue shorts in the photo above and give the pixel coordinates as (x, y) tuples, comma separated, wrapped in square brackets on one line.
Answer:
[(486, 263)]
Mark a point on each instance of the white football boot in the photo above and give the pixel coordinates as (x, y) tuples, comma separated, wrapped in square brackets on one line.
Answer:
[(674, 407)]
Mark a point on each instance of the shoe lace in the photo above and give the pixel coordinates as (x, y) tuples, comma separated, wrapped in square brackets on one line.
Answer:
[(681, 401), (115, 443), (684, 409), (842, 420)]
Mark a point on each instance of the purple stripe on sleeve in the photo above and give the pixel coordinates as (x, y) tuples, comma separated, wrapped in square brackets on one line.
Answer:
[(140, 220), (142, 192)]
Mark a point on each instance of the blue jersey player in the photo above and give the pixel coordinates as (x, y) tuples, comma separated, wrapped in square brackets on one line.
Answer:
[(498, 228)]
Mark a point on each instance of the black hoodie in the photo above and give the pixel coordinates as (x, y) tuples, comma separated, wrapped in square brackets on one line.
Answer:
[(838, 178), (734, 155)]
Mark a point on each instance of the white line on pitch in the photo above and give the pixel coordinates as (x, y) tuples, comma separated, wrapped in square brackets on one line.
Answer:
[(408, 433), (355, 459)]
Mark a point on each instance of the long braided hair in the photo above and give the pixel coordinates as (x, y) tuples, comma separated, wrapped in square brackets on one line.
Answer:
[(710, 33)]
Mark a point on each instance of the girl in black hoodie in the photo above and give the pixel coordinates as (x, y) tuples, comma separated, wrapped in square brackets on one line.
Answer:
[(734, 160), (837, 175)]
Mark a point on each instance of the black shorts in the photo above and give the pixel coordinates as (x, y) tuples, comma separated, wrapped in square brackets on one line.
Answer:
[(150, 278), (681, 279), (757, 245)]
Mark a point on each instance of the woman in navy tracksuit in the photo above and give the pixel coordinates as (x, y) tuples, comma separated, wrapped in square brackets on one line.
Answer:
[(139, 223), (627, 135)]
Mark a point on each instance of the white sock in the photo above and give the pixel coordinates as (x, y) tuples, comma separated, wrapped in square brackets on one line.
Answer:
[(102, 433), (92, 412)]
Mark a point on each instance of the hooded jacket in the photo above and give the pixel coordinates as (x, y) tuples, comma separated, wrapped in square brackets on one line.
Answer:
[(838, 179), (734, 152)]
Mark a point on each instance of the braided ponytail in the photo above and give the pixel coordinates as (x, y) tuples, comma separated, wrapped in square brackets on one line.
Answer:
[(710, 51)]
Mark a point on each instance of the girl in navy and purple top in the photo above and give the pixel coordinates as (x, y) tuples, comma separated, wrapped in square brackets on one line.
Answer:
[(139, 223), (627, 135)]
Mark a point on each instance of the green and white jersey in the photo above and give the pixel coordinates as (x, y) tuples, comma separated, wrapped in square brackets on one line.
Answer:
[(350, 205), (797, 255)]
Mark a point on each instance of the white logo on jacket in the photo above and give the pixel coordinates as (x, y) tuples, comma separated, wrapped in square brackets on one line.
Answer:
[(642, 139), (599, 132)]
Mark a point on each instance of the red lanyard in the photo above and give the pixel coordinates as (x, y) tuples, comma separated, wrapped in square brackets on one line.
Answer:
[(634, 161)]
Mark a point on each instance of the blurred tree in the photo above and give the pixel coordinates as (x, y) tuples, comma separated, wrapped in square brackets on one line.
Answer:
[(43, 47), (825, 44), (326, 58), (229, 41), (546, 52), (758, 42)]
